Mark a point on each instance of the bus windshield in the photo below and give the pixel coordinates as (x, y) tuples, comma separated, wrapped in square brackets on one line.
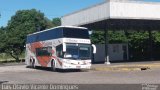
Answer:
[(78, 51)]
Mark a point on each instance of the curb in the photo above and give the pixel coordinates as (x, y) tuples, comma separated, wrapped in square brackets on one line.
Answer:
[(120, 69), (136, 67)]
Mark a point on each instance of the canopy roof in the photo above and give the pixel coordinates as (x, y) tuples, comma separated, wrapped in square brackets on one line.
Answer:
[(117, 15)]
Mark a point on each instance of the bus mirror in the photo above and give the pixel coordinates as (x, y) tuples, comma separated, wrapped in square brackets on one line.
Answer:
[(64, 47), (90, 32), (94, 48)]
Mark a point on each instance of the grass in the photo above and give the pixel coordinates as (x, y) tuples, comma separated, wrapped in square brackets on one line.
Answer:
[(4, 58)]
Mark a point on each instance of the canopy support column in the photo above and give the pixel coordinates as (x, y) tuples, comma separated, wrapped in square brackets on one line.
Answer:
[(106, 47)]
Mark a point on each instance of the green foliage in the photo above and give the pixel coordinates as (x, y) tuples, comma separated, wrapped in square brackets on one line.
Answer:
[(97, 37), (29, 21), (56, 22), (156, 36), (138, 39), (117, 37), (2, 39), (138, 44), (21, 24)]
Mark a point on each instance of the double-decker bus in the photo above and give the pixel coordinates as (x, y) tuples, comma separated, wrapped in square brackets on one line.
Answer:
[(63, 47)]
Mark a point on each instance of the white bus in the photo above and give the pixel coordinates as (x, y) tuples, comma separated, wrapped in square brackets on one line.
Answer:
[(63, 47)]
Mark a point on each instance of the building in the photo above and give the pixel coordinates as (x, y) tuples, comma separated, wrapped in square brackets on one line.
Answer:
[(118, 14)]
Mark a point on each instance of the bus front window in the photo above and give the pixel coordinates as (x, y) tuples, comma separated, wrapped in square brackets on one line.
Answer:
[(78, 51), (71, 51), (84, 51)]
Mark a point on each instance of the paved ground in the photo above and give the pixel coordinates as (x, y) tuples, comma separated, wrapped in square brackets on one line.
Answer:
[(22, 75), (127, 66)]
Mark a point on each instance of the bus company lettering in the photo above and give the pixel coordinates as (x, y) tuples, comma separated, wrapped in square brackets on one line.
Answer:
[(78, 40)]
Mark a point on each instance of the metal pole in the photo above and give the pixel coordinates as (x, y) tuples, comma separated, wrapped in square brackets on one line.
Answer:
[(106, 47)]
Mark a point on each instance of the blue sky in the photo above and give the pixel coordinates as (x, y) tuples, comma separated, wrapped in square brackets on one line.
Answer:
[(51, 8)]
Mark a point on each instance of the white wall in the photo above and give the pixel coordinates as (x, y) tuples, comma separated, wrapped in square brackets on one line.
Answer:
[(135, 10)]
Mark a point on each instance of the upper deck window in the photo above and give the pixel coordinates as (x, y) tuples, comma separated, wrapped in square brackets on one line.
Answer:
[(75, 33), (61, 32)]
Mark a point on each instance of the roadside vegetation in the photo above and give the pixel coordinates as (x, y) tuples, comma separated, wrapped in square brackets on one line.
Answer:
[(138, 42), (13, 36), (6, 58)]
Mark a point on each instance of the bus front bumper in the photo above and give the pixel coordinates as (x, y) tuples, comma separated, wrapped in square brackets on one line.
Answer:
[(69, 66)]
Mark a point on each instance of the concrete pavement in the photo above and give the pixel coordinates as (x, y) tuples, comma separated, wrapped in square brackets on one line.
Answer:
[(129, 66)]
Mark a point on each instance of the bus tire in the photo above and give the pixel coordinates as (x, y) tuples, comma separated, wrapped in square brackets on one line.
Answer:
[(30, 63), (33, 64), (53, 68)]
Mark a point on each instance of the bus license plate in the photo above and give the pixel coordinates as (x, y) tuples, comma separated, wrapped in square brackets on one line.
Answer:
[(78, 66)]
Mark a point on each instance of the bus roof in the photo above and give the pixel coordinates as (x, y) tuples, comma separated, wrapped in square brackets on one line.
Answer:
[(57, 27)]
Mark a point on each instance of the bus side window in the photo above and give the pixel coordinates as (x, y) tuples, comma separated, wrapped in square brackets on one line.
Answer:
[(59, 51), (44, 51)]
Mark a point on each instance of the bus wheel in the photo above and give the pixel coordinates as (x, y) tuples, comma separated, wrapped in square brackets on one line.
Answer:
[(53, 68)]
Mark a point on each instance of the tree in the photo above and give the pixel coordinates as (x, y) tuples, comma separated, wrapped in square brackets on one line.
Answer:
[(138, 44), (2, 39), (97, 37), (117, 37), (56, 22), (22, 23), (156, 36)]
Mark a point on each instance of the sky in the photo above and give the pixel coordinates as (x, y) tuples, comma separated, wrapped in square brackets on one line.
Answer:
[(51, 8)]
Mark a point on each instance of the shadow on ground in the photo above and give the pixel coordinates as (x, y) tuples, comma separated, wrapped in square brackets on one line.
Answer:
[(59, 70)]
